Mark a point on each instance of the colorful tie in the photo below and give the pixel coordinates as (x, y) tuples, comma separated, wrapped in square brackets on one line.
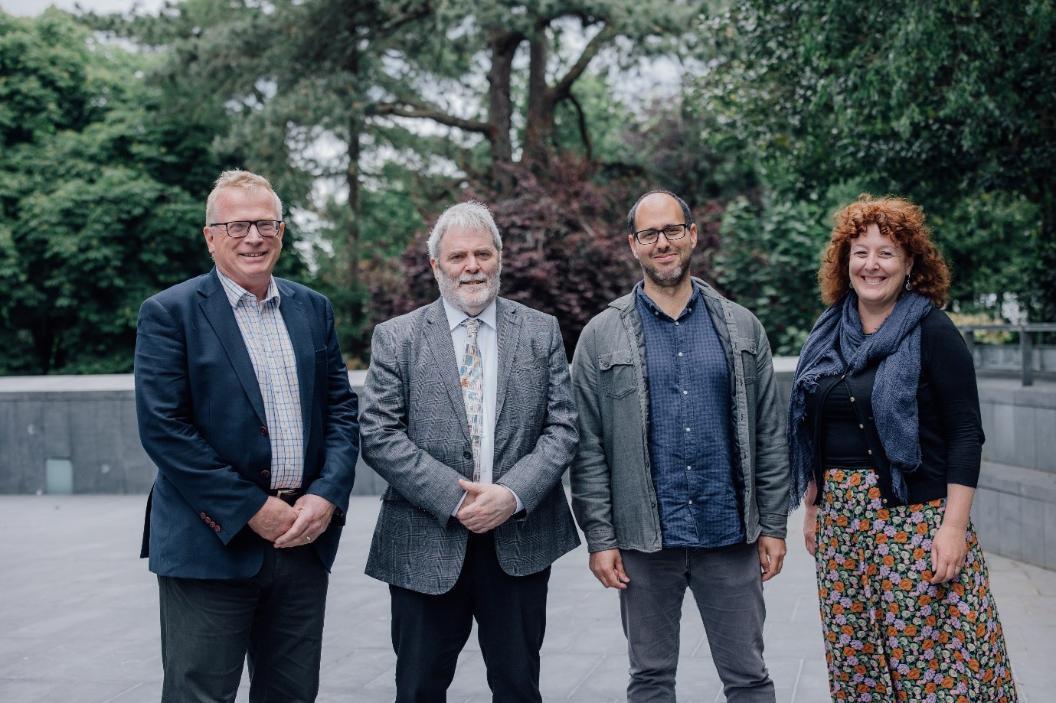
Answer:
[(471, 378)]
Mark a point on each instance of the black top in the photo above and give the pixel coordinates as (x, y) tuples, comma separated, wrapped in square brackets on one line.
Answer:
[(842, 437), (951, 432)]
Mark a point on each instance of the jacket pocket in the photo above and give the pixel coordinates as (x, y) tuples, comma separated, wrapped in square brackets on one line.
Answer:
[(618, 378), (746, 349)]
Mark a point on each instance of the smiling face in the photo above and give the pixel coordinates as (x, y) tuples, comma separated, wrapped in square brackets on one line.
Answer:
[(878, 268), (664, 263), (467, 269), (250, 260)]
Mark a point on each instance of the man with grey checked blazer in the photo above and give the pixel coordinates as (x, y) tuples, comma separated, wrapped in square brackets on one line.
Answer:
[(468, 414)]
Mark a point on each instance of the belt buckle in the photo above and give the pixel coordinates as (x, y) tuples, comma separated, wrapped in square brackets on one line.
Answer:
[(287, 495)]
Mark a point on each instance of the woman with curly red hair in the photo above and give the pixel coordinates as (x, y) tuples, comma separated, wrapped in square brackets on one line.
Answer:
[(885, 442)]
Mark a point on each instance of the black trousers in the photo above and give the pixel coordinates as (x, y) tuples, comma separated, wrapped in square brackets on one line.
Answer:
[(276, 617), (429, 631)]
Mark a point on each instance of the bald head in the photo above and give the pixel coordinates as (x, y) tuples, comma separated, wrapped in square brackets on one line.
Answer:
[(654, 198)]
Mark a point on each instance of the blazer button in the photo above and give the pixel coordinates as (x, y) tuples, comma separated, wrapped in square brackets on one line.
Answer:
[(216, 528), (467, 454), (264, 430), (265, 474)]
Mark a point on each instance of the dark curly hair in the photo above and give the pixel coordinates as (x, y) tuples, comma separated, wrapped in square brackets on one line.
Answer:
[(898, 219)]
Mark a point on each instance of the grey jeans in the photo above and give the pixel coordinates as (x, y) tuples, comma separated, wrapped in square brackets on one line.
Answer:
[(729, 593)]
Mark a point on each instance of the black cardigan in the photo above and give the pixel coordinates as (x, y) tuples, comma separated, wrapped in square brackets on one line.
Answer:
[(951, 432)]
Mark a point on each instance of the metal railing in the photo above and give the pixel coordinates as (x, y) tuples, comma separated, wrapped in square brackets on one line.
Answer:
[(1026, 342)]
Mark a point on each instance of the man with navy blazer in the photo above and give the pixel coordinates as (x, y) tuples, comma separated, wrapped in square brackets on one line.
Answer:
[(468, 414), (244, 405)]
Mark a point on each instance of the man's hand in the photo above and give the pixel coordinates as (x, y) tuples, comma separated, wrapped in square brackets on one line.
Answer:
[(273, 519), (607, 566), (313, 517), (487, 505), (949, 549), (810, 528), (771, 556)]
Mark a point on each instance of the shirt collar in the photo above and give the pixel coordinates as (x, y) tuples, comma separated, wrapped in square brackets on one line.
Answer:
[(695, 299), (456, 316), (236, 293)]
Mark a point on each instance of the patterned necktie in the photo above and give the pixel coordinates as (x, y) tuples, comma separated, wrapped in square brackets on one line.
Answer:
[(471, 378)]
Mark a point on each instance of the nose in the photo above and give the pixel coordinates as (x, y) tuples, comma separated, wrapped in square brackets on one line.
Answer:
[(254, 233), (472, 264)]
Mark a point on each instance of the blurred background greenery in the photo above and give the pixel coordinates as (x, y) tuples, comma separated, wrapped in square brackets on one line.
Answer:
[(371, 117)]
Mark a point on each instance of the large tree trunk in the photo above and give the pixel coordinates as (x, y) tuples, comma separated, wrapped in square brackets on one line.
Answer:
[(355, 129), (500, 107), (539, 116)]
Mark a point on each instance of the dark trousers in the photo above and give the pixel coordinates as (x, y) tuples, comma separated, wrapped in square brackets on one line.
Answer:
[(276, 617), (429, 631), (729, 593)]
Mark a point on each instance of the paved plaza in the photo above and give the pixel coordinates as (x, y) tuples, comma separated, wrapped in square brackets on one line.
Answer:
[(79, 621)]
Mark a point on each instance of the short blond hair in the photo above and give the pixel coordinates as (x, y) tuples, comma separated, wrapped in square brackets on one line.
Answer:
[(236, 178)]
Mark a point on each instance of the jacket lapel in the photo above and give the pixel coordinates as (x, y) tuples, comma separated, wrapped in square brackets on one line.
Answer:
[(508, 336), (221, 317), (296, 317), (438, 339)]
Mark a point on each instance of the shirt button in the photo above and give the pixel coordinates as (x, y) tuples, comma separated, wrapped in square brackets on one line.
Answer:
[(680, 354), (861, 426), (687, 429), (869, 452), (852, 398), (691, 502), (676, 323), (685, 392), (689, 468)]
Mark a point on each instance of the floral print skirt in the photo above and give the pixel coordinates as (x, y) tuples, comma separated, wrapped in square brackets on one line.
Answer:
[(889, 634)]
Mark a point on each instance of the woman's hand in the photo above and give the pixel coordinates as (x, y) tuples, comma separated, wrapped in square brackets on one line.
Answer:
[(810, 528), (949, 548)]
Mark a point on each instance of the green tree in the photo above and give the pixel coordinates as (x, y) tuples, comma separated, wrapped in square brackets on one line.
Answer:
[(941, 102), (101, 199)]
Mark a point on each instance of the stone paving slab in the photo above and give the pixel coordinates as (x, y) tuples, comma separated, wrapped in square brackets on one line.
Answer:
[(79, 619)]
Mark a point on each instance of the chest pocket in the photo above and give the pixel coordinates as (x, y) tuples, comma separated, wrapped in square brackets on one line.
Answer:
[(617, 373), (746, 350)]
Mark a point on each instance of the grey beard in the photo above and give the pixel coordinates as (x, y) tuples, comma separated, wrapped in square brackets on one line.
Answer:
[(449, 290)]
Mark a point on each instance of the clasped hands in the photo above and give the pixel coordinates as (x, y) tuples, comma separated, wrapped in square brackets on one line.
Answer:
[(486, 506), (292, 526)]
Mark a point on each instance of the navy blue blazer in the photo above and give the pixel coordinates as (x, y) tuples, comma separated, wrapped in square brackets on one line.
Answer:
[(202, 422)]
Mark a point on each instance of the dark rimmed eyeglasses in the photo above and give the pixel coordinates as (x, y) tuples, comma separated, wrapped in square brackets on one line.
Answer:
[(670, 232), (240, 228)]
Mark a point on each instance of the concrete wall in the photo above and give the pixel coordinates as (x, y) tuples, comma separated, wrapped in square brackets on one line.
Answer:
[(78, 434)]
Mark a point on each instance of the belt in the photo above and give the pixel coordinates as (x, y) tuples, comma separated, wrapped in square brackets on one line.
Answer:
[(288, 495)]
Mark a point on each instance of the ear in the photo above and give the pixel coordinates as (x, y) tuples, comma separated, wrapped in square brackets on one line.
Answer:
[(693, 233), (207, 233), (631, 243)]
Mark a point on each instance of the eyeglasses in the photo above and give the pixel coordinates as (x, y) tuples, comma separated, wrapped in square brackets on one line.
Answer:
[(670, 232), (240, 228)]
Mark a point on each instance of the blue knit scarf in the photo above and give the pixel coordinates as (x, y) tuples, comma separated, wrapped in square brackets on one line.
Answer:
[(897, 345)]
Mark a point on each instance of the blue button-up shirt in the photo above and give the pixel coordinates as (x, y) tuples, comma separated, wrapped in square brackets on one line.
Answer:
[(690, 436)]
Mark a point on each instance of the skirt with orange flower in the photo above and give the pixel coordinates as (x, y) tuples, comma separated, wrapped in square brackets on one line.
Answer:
[(889, 634)]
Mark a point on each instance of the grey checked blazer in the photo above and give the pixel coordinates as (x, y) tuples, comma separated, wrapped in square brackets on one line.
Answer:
[(414, 433)]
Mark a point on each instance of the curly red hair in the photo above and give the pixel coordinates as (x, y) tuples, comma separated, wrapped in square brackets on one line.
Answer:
[(898, 219)]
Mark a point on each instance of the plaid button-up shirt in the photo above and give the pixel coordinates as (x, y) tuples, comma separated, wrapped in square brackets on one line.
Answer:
[(271, 351)]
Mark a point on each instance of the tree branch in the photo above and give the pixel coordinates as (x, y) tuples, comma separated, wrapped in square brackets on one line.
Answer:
[(581, 118), (426, 112), (560, 90)]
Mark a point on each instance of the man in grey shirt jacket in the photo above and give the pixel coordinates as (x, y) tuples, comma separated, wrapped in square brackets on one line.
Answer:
[(681, 477)]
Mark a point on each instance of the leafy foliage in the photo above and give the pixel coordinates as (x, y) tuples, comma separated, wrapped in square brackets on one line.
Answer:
[(101, 198)]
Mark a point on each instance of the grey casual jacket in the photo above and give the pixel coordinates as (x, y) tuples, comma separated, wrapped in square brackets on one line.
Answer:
[(613, 496)]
